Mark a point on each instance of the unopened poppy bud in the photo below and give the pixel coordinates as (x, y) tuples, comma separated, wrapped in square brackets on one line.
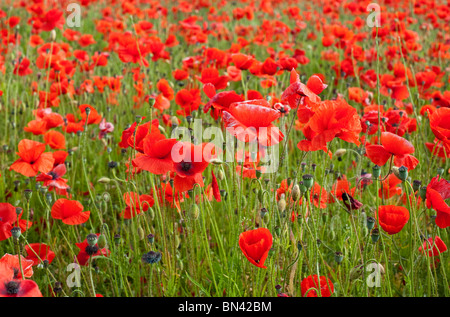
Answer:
[(416, 185), (340, 153), (338, 257), (308, 181), (440, 171), (296, 192), (104, 180), (370, 222), (402, 173), (423, 192), (92, 239), (151, 257), (52, 35), (102, 241), (16, 232), (141, 233), (376, 171), (258, 173), (282, 205), (215, 161), (161, 129), (151, 238), (375, 235), (28, 193), (194, 212), (221, 175)]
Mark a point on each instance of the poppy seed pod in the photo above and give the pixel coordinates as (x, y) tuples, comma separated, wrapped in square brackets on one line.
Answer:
[(117, 239), (338, 257), (92, 239), (423, 192), (402, 173), (375, 235), (28, 193), (376, 171), (308, 181), (416, 185), (16, 232), (151, 238), (370, 223), (151, 257)]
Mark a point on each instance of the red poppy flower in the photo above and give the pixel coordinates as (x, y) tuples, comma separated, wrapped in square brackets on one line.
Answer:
[(157, 154), (54, 177), (189, 163), (32, 159), (326, 286), (215, 187), (12, 261), (392, 218), (136, 204), (22, 67), (434, 246), (256, 244), (93, 118), (220, 102), (39, 251), (440, 125), (69, 211), (242, 61), (389, 187), (392, 145), (55, 140), (252, 120), (86, 251), (8, 220), (437, 192), (13, 287)]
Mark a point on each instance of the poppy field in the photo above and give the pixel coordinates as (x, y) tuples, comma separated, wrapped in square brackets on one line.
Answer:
[(215, 148)]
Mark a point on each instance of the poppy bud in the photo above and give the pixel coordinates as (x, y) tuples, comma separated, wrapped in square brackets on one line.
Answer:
[(375, 235), (338, 257), (92, 239), (282, 204), (296, 192), (303, 188), (52, 35), (370, 223), (215, 161), (141, 233), (340, 153), (308, 181), (194, 212), (402, 173), (258, 173), (416, 185), (356, 272), (104, 180), (101, 241), (221, 175), (151, 257), (151, 238), (28, 193), (376, 171), (423, 192), (16, 232)]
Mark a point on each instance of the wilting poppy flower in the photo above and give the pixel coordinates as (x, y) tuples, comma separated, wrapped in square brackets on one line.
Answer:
[(434, 246), (14, 287), (350, 202), (12, 261), (252, 120), (69, 211), (256, 244), (136, 204), (39, 251), (437, 192), (32, 159), (86, 251), (392, 145), (8, 220), (310, 284), (392, 218)]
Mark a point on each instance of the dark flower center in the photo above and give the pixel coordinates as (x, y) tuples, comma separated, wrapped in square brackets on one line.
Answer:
[(53, 175), (91, 250), (12, 287), (186, 166)]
